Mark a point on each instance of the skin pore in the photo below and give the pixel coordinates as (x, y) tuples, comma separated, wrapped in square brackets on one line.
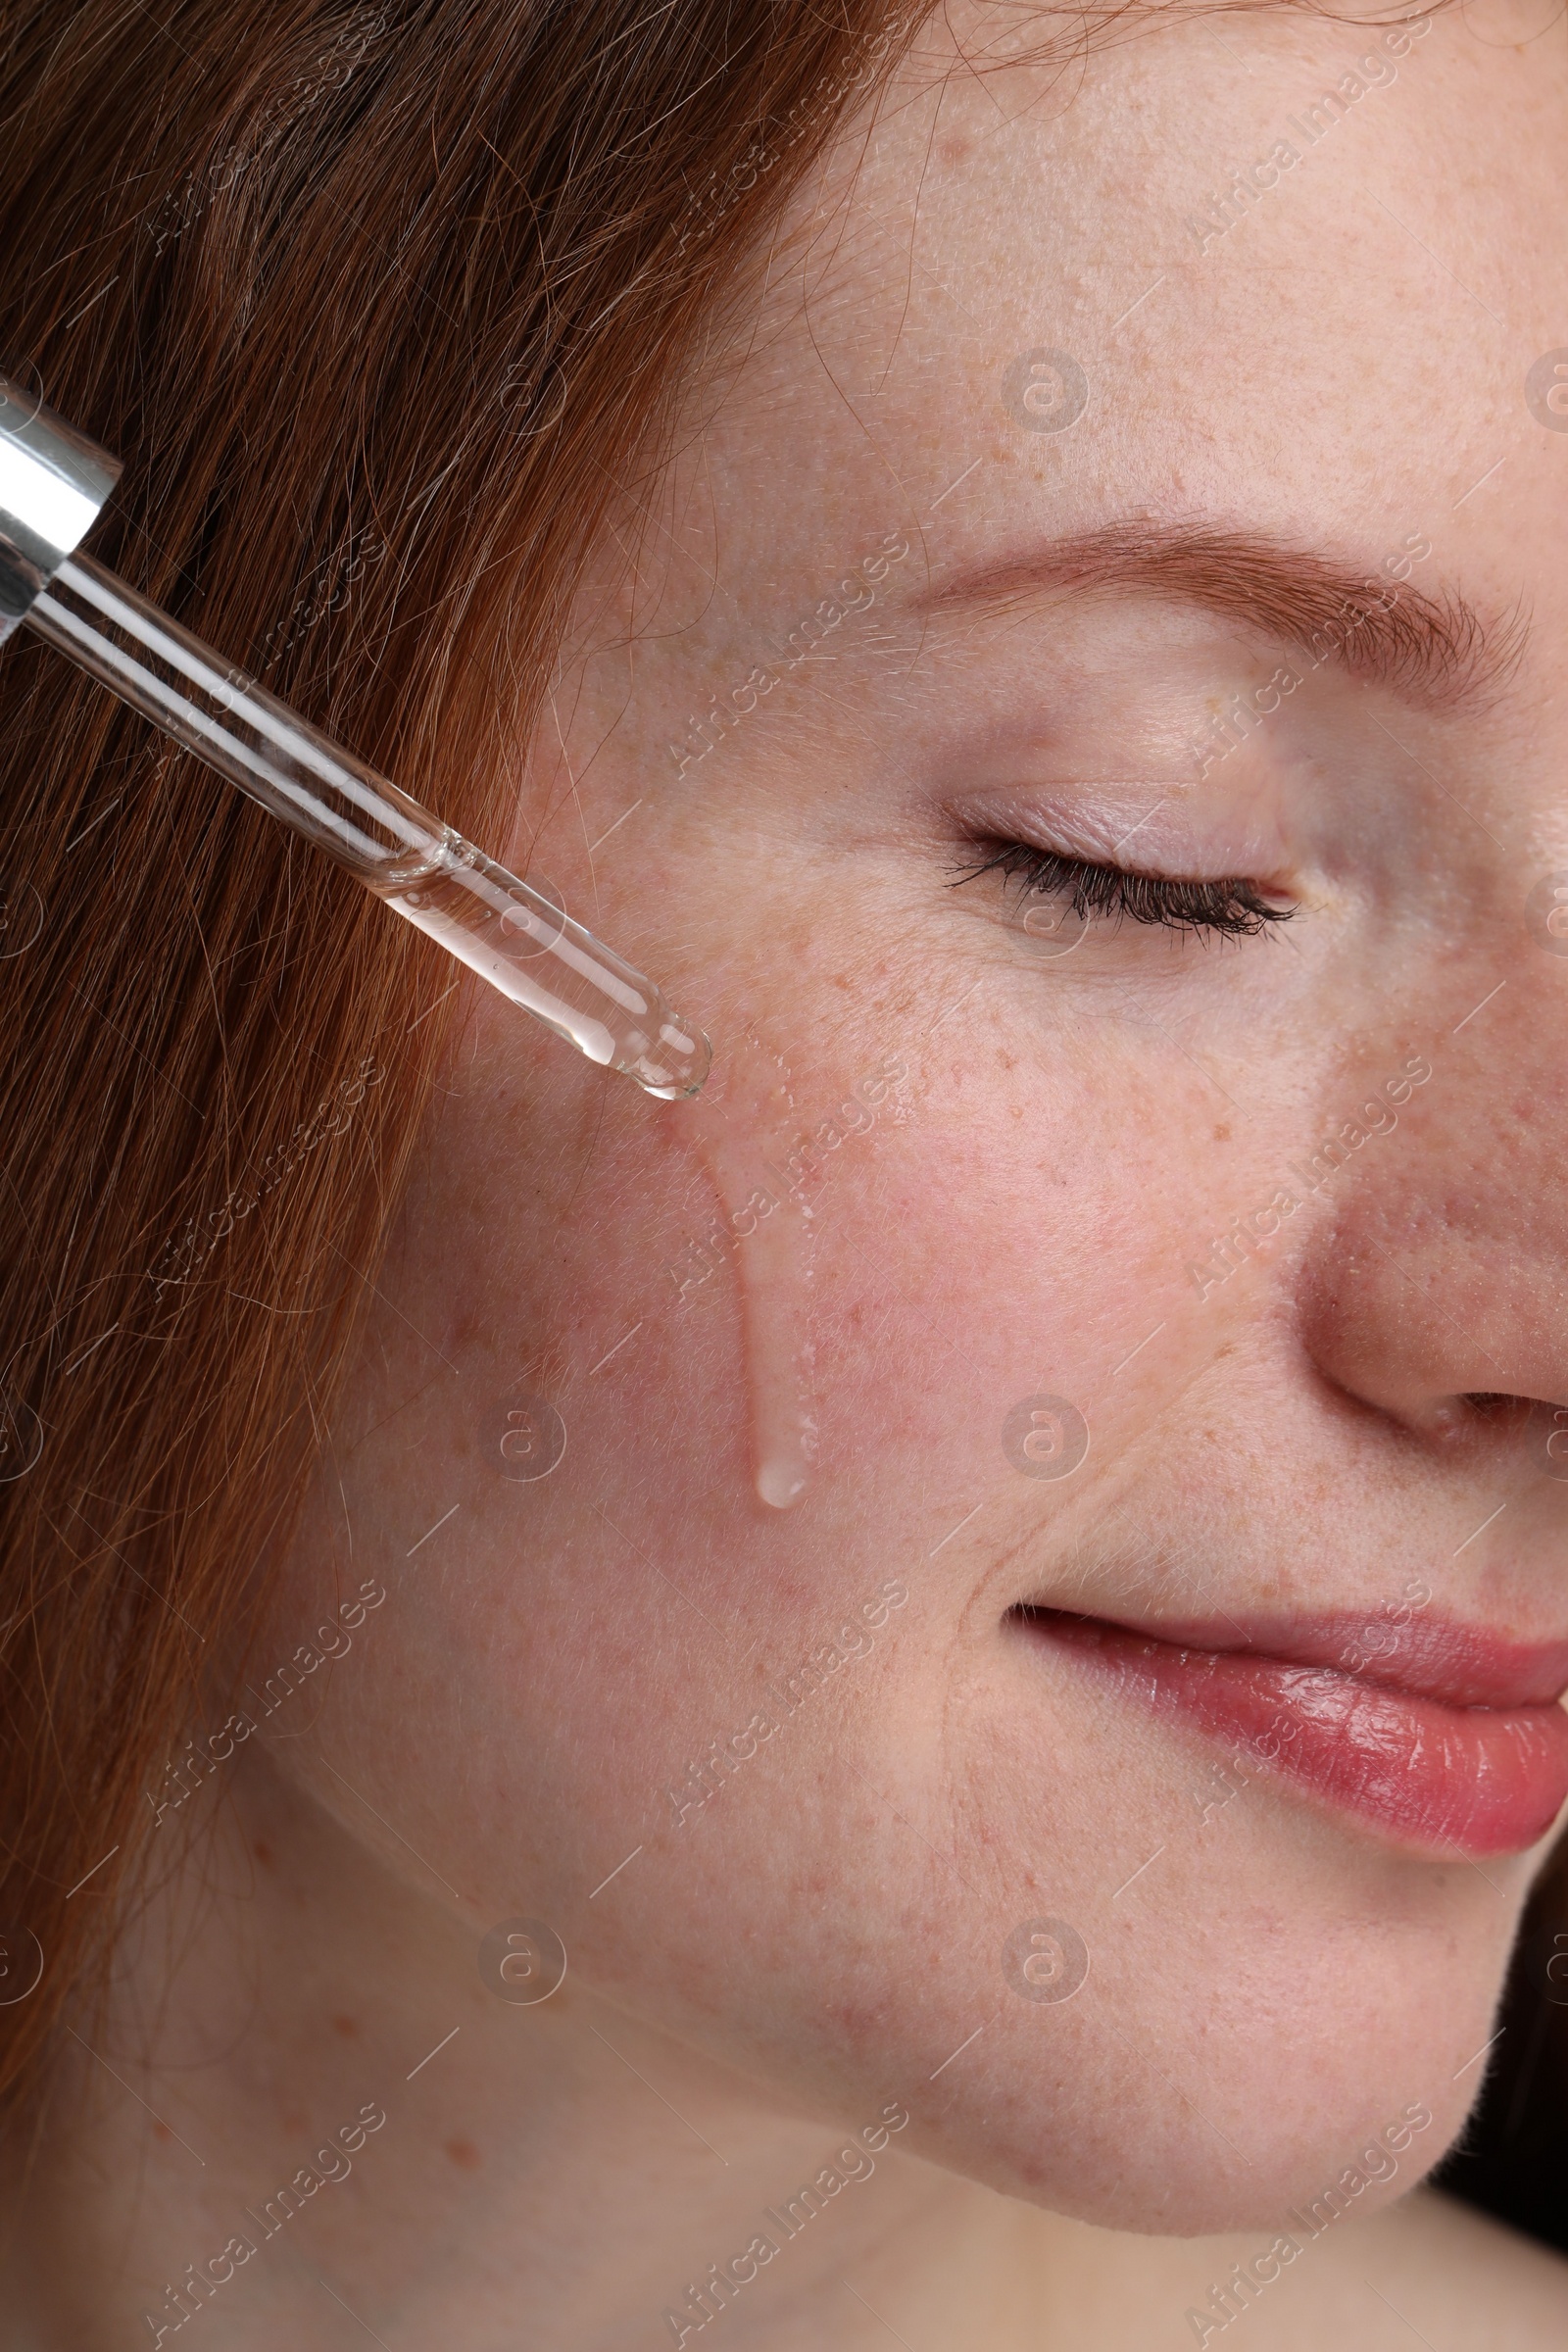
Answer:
[(938, 619)]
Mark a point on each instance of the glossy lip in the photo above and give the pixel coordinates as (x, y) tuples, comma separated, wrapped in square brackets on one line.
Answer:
[(1450, 1743)]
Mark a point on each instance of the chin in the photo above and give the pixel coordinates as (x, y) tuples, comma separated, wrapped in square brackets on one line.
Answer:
[(1160, 2169), (1296, 2028)]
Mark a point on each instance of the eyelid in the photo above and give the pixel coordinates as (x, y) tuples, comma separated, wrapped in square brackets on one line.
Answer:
[(1154, 836)]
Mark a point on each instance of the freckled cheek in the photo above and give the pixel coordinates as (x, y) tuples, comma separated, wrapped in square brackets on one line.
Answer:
[(994, 1222), (985, 1253), (538, 1211), (1000, 1216)]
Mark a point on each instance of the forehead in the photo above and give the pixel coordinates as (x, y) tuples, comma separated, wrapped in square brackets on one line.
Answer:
[(1263, 259)]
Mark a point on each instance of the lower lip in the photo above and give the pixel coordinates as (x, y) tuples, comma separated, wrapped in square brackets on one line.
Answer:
[(1443, 1780)]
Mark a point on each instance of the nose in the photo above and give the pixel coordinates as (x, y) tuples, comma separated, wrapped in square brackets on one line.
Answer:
[(1435, 1286)]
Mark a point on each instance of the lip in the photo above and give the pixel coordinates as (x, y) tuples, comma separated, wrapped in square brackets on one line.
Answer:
[(1450, 1743)]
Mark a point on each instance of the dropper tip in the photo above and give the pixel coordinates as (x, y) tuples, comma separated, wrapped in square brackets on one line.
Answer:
[(702, 1062), (686, 1056)]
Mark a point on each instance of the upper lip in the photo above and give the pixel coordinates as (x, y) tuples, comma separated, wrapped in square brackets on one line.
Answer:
[(1432, 1656)]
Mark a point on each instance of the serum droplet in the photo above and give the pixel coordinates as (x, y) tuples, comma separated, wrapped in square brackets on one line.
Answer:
[(742, 1123)]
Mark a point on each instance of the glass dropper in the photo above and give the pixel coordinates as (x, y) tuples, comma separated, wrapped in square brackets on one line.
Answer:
[(514, 934)]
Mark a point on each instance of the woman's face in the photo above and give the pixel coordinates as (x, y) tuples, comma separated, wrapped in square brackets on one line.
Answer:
[(1106, 1270)]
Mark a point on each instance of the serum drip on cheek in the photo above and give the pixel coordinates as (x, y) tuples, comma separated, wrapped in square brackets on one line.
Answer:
[(740, 1123), (781, 1360)]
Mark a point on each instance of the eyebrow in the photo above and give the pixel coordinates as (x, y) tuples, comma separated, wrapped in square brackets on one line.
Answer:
[(1433, 649)]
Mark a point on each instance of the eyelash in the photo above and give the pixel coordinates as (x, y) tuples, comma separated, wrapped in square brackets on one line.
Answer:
[(1232, 908)]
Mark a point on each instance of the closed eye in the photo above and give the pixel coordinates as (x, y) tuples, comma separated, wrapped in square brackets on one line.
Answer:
[(1229, 909)]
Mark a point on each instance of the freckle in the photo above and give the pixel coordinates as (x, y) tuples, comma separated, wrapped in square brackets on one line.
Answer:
[(348, 2026), (263, 1853), (464, 2154)]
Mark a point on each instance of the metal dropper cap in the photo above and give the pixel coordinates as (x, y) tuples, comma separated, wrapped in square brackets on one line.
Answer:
[(54, 484)]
